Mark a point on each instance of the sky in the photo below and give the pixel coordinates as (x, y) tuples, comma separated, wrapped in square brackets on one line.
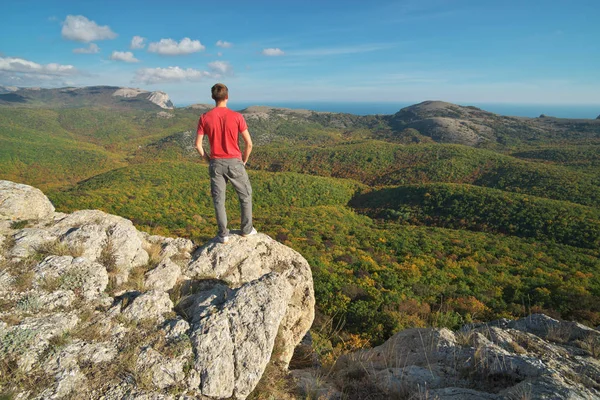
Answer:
[(462, 51)]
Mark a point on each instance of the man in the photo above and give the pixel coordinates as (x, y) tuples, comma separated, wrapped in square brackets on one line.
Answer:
[(226, 161)]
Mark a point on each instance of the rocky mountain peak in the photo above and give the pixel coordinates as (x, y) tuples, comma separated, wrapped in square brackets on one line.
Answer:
[(159, 98)]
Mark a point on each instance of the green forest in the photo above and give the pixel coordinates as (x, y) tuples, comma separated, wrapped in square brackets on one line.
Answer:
[(400, 230)]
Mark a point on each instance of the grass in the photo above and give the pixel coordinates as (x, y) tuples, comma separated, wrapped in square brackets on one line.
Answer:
[(20, 224), (559, 333), (57, 248), (591, 344)]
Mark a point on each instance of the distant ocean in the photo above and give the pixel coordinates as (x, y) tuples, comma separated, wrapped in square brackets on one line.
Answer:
[(516, 110)]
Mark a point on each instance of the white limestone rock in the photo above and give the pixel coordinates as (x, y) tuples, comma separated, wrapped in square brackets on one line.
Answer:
[(23, 202), (27, 340), (161, 99), (164, 276), (233, 345), (152, 304), (76, 274), (104, 237), (247, 259), (164, 372), (28, 241)]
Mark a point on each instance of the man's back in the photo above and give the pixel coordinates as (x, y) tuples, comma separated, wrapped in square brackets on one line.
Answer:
[(222, 127)]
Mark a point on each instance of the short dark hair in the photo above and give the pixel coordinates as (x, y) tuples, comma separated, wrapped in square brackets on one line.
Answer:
[(219, 92)]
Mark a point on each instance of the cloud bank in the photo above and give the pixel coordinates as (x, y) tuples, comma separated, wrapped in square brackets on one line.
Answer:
[(170, 47), (81, 29), (19, 71)]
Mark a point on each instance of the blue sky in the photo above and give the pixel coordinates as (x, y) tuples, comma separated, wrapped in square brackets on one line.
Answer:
[(462, 51)]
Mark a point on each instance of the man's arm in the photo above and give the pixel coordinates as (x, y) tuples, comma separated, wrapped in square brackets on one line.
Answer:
[(200, 149), (199, 137), (248, 146)]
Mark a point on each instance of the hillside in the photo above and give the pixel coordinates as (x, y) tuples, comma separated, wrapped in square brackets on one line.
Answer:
[(401, 228)]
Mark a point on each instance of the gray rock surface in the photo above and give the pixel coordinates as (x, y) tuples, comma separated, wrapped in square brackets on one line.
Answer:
[(164, 276), (22, 202), (535, 358), (152, 304), (68, 273), (234, 344), (246, 259)]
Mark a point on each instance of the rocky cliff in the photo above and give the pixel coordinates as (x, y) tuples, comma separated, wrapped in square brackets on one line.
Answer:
[(92, 308)]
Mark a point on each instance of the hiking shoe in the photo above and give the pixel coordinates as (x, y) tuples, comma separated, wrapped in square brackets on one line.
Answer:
[(222, 239), (252, 232)]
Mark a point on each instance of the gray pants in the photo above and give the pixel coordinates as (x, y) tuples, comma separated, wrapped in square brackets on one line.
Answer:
[(230, 169)]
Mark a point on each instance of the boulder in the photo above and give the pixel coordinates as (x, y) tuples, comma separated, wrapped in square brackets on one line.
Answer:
[(234, 343), (23, 202), (244, 260)]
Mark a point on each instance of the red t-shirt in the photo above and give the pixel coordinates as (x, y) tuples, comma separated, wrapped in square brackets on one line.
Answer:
[(222, 127)]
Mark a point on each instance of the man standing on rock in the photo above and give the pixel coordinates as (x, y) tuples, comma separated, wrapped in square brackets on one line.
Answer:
[(226, 162)]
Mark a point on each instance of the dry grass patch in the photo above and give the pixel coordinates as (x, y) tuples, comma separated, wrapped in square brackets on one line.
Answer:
[(107, 258), (559, 333), (591, 344), (275, 384), (153, 250), (57, 248)]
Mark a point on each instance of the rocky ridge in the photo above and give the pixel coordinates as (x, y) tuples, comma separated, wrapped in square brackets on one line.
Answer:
[(89, 96), (536, 357), (91, 306)]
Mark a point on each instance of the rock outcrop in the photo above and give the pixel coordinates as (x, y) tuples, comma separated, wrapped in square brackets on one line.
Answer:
[(92, 306), (532, 358), (451, 123)]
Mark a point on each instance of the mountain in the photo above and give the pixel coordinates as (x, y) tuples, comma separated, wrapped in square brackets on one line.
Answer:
[(91, 96), (450, 123)]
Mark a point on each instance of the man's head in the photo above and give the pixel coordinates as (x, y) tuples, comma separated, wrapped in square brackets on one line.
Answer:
[(219, 92)]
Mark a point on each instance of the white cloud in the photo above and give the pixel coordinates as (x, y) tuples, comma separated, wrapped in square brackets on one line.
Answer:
[(91, 49), (271, 52), (137, 42), (24, 72), (216, 70), (221, 68), (170, 47), (169, 74), (219, 54), (81, 29), (126, 56), (224, 44)]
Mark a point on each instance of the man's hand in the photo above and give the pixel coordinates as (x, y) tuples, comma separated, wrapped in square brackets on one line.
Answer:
[(206, 157)]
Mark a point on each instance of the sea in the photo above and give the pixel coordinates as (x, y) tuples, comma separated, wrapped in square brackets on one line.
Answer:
[(369, 108)]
